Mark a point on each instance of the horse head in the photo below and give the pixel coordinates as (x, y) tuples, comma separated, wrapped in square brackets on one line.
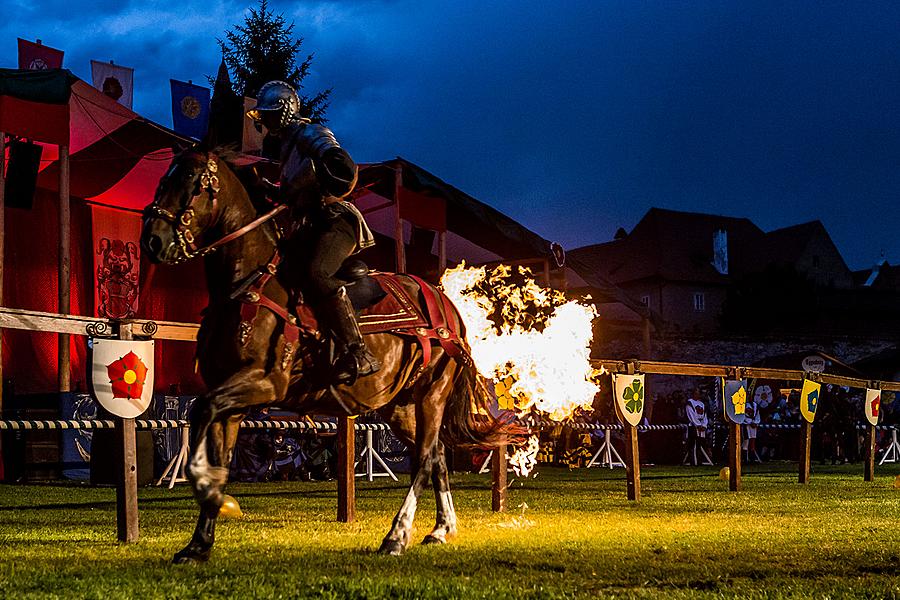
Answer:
[(184, 208)]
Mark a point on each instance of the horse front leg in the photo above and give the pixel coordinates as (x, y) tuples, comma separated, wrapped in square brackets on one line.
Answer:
[(208, 474), (214, 425), (445, 523)]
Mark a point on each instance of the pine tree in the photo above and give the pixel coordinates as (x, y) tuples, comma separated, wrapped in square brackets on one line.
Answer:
[(263, 49)]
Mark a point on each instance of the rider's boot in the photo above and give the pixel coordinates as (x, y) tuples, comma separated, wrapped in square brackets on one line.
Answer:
[(356, 360)]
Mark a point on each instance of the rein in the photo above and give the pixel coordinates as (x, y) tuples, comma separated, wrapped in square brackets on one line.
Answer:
[(184, 238)]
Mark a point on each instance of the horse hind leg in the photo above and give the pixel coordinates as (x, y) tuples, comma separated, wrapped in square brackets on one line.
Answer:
[(445, 524)]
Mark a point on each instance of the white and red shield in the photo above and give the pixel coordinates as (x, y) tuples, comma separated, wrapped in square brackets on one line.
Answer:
[(630, 397), (873, 405), (122, 376)]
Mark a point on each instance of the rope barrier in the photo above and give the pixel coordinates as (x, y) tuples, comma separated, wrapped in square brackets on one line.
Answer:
[(308, 425), (42, 425)]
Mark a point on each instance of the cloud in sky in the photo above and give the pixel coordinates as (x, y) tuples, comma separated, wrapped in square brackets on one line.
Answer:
[(572, 117)]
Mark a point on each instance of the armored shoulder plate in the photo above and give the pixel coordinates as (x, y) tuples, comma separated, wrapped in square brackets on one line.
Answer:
[(314, 140)]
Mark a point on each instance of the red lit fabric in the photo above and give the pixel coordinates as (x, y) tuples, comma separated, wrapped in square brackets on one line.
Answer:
[(116, 240), (425, 211), (35, 120)]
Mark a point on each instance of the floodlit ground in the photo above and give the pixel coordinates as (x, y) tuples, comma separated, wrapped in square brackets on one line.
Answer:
[(579, 537)]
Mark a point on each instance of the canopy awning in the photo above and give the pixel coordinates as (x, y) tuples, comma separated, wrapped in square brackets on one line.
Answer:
[(116, 156)]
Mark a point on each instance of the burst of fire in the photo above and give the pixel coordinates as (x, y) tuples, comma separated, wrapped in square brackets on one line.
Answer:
[(530, 336), (524, 459)]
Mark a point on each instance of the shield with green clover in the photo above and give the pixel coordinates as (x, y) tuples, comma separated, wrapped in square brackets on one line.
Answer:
[(735, 399), (809, 399), (630, 397)]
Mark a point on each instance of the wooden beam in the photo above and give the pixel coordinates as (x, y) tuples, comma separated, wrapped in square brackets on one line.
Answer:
[(869, 474), (398, 224), (35, 320), (127, 528), (805, 447), (632, 462), (346, 477), (65, 267), (499, 483), (2, 246), (442, 253), (734, 457)]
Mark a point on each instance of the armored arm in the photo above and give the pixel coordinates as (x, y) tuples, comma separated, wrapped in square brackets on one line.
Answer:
[(335, 170)]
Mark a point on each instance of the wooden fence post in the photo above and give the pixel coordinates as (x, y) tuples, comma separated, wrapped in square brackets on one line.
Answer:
[(65, 269), (632, 462), (870, 454), (346, 449), (126, 485), (734, 458), (498, 479), (805, 447)]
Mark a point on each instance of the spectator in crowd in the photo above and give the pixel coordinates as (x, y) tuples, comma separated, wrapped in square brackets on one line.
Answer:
[(751, 427), (698, 421)]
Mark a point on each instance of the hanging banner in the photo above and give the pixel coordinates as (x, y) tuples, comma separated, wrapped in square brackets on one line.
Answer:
[(37, 57), (114, 81), (809, 399), (122, 376), (190, 109), (873, 405), (734, 400), (116, 262), (629, 396)]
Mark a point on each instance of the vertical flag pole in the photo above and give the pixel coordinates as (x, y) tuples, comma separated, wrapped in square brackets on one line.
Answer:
[(126, 484)]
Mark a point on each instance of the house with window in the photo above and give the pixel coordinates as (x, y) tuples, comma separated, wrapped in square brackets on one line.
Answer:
[(686, 267)]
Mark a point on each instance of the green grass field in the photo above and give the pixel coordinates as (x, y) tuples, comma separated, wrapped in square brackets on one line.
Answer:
[(689, 537)]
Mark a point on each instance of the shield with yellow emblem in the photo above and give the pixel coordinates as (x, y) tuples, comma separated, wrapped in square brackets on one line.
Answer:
[(735, 399), (873, 405), (122, 375), (630, 397), (809, 399)]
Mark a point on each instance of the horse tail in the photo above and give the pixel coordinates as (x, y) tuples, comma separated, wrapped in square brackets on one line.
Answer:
[(468, 417)]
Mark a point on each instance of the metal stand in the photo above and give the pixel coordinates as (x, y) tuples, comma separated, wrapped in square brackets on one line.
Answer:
[(175, 468), (607, 450), (371, 456), (687, 455), (892, 454)]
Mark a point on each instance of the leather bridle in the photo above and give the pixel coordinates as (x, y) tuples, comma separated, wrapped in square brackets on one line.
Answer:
[(186, 248)]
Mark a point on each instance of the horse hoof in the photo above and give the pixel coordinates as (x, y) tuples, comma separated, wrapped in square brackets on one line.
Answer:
[(190, 556), (391, 547), (433, 539)]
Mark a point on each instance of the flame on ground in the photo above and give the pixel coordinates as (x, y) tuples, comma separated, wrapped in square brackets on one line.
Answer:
[(524, 459), (531, 338)]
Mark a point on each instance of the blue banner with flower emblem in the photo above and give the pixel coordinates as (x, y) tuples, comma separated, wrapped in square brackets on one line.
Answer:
[(190, 109), (630, 397), (809, 399), (734, 400)]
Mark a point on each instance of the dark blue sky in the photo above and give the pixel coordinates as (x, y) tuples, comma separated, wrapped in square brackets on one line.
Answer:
[(573, 117)]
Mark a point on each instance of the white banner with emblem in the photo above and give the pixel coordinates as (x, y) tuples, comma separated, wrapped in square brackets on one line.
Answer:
[(122, 375)]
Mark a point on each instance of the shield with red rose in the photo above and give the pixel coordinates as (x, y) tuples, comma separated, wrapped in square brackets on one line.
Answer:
[(873, 405), (122, 375)]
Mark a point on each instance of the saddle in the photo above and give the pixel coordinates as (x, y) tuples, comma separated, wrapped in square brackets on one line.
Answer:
[(383, 306)]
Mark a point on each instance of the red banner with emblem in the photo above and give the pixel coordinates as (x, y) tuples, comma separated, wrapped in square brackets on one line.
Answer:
[(38, 57), (116, 262)]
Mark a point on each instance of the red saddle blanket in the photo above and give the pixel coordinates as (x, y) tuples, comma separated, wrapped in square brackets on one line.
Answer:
[(397, 310)]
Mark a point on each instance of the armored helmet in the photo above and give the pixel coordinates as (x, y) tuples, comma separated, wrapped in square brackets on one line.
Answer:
[(280, 98)]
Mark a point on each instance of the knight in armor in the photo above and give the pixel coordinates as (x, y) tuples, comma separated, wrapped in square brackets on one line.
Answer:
[(316, 175)]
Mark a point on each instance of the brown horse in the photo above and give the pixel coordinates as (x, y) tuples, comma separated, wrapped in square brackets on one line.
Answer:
[(202, 208)]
